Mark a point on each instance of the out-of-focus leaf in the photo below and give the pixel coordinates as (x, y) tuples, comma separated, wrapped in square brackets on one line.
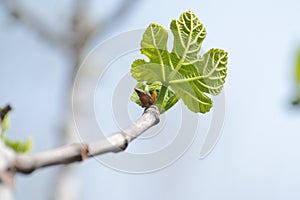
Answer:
[(298, 69), (18, 146), (4, 118), (296, 101), (5, 123)]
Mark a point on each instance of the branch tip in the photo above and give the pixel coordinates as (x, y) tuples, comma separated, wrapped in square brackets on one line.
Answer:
[(4, 111)]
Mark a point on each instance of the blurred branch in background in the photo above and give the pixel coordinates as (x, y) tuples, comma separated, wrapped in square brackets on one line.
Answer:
[(33, 22), (296, 101), (72, 42)]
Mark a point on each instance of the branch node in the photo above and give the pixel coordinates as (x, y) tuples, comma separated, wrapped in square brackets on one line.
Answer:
[(84, 151), (126, 142)]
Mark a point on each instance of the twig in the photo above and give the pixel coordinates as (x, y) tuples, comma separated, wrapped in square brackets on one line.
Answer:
[(27, 163)]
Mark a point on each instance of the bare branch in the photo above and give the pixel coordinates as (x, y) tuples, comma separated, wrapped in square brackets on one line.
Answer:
[(26, 163), (80, 27), (31, 21), (124, 8)]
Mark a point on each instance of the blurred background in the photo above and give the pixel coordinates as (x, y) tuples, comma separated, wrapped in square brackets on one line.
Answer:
[(258, 156)]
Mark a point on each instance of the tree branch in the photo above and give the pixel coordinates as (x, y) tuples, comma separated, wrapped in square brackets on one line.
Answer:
[(27, 163), (122, 10), (31, 21)]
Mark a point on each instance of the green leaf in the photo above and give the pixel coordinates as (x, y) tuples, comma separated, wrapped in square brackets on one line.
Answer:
[(169, 100), (143, 71), (296, 101), (208, 74), (182, 73), (192, 97), (298, 69), (4, 120), (5, 124), (154, 42), (20, 147), (188, 36), (17, 146)]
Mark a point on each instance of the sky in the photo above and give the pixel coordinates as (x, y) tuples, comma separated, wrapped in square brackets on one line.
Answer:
[(257, 156)]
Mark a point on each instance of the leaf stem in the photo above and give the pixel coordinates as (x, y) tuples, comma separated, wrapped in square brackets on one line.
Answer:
[(161, 97)]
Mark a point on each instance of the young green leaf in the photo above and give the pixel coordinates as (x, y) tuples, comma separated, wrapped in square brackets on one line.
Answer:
[(182, 73), (4, 120), (296, 101), (17, 146), (5, 124), (298, 69), (170, 98), (188, 36)]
